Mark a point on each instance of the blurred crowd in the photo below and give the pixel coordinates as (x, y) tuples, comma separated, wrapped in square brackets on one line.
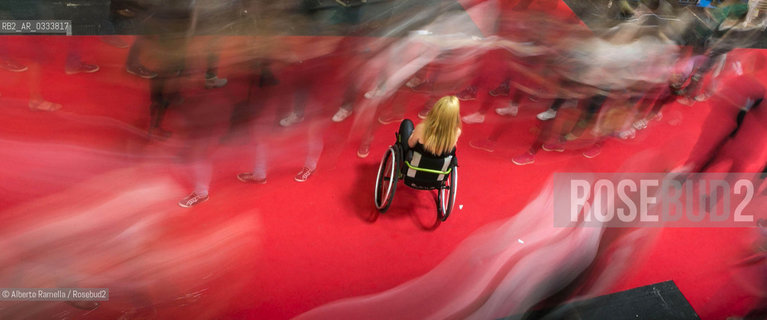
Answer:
[(305, 64), (283, 72)]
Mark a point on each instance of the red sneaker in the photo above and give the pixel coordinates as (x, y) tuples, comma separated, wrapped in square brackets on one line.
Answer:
[(249, 177), (470, 93), (557, 147), (81, 68), (523, 159), (12, 66), (592, 151), (486, 144), (389, 118), (501, 90), (192, 199)]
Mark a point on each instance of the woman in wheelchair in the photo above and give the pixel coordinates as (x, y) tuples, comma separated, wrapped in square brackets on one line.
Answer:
[(438, 133), (424, 157)]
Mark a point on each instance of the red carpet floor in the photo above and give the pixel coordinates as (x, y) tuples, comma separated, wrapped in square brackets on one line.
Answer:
[(310, 243)]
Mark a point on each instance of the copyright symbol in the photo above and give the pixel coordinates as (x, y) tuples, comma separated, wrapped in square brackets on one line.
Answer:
[(6, 294)]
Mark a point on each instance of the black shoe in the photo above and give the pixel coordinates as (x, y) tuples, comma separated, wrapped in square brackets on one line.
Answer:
[(141, 72)]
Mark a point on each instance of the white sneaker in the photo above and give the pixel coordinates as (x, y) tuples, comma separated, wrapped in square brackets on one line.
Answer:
[(640, 124), (215, 82), (475, 117), (292, 119), (43, 105), (703, 96), (686, 101), (681, 172), (341, 114), (375, 93), (547, 115), (511, 110), (627, 134), (413, 82)]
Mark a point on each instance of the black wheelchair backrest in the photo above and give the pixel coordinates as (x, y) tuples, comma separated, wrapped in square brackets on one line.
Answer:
[(423, 170)]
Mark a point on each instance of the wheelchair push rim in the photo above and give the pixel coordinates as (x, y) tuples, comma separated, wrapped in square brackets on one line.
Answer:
[(446, 197), (386, 180)]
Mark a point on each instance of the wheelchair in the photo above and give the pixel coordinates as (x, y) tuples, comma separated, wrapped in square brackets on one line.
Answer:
[(418, 170)]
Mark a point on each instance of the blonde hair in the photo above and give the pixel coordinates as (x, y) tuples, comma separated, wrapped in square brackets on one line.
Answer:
[(441, 126)]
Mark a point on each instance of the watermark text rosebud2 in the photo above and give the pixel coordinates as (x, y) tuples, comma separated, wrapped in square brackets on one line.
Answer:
[(54, 294), (659, 200)]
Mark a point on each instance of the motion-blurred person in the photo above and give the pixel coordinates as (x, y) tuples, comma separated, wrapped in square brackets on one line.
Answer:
[(74, 62), (119, 20), (260, 160), (205, 18), (532, 29), (353, 52), (310, 63), (545, 134), (447, 73), (612, 65), (38, 54), (734, 125), (300, 72), (732, 31), (200, 163), (140, 13), (444, 43), (210, 19), (314, 145), (445, 79), (544, 129), (250, 113), (649, 107), (6, 62), (304, 86), (528, 66), (170, 25)]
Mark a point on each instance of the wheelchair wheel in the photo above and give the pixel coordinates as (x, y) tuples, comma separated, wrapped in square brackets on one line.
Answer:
[(386, 181), (446, 197)]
